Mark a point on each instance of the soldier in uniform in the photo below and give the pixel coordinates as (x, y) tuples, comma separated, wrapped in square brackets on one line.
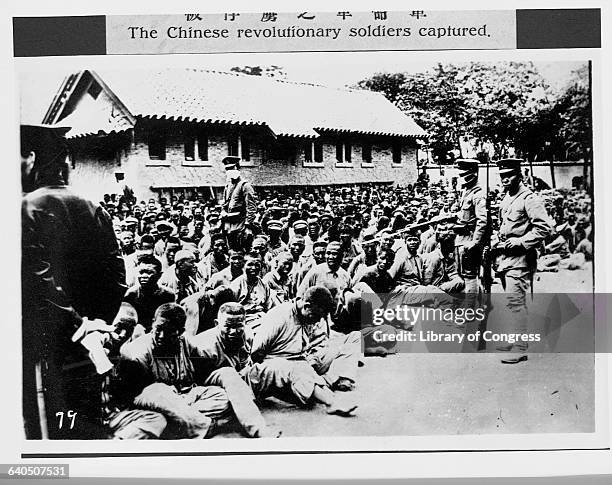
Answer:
[(524, 225), (471, 224), (73, 281), (239, 206)]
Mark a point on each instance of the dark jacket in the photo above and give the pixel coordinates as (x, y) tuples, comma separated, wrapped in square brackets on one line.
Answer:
[(239, 201), (71, 263)]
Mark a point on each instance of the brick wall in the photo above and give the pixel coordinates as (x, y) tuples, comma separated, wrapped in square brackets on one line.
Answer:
[(142, 173)]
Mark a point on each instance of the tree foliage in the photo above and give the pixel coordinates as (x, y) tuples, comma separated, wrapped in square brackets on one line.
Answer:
[(499, 107)]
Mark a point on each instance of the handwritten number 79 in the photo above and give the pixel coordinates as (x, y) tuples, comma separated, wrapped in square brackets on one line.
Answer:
[(71, 415)]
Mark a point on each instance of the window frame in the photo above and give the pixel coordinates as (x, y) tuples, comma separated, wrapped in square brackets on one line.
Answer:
[(160, 135)]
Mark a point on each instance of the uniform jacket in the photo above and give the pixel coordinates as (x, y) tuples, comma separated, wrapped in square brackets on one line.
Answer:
[(240, 203), (71, 262), (522, 216), (473, 215)]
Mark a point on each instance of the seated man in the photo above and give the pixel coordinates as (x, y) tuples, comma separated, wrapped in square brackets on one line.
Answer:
[(224, 354), (251, 292), (299, 271), (408, 276), (230, 273), (147, 295), (118, 415), (331, 276), (377, 276), (182, 277), (440, 265), (202, 307), (295, 357), (218, 258), (158, 373), (279, 279)]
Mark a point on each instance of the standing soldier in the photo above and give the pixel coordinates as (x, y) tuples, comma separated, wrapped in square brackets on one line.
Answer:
[(73, 281), (524, 225), (471, 224), (239, 206)]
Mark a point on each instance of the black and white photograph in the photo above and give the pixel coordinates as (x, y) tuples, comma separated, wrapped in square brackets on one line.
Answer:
[(223, 250)]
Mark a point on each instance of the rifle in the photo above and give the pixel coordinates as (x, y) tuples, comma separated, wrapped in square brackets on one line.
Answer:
[(412, 227), (487, 256)]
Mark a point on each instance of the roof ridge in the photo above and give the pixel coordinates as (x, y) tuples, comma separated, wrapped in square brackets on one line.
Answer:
[(269, 78)]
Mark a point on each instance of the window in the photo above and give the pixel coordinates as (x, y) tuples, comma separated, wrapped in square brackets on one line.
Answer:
[(232, 146), (203, 147), (157, 143), (339, 152), (308, 152), (196, 142), (397, 153), (190, 143), (348, 153), (245, 149), (366, 153), (318, 152)]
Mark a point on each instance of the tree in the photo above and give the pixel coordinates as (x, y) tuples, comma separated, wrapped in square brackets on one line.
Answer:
[(433, 99), (508, 102), (503, 105), (572, 110), (391, 85)]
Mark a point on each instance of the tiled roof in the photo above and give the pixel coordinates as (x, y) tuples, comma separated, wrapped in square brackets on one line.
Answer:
[(287, 108)]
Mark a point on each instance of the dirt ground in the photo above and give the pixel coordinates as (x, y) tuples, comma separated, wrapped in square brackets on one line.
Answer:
[(453, 394)]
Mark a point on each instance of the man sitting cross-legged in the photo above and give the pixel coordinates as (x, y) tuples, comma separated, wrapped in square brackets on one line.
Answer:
[(224, 353), (295, 358), (159, 370)]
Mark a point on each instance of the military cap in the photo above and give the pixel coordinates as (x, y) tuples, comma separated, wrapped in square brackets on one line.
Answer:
[(319, 243), (231, 163), (334, 245), (217, 236), (467, 165), (275, 225), (399, 211), (261, 237), (509, 166), (314, 219), (300, 224), (183, 254), (163, 224), (47, 141)]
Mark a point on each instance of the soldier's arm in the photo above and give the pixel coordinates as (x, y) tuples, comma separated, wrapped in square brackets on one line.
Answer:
[(480, 208), (250, 202), (264, 339), (540, 225)]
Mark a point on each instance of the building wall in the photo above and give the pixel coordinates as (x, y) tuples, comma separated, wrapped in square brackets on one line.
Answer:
[(147, 176), (94, 164)]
